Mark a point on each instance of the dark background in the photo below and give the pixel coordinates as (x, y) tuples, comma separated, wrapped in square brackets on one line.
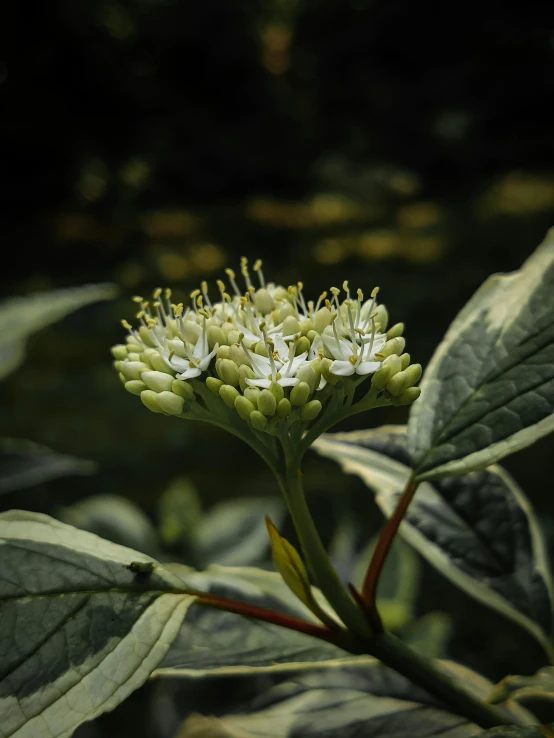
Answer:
[(145, 142)]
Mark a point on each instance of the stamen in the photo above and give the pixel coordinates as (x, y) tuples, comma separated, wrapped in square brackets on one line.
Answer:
[(269, 353), (204, 286), (137, 298), (157, 292), (126, 325), (231, 274), (301, 300), (346, 289), (320, 300), (291, 358), (258, 268), (245, 273)]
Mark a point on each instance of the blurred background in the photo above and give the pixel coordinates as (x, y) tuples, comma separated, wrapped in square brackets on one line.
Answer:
[(155, 142)]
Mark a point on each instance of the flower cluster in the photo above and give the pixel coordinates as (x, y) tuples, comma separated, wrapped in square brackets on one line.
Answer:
[(265, 351)]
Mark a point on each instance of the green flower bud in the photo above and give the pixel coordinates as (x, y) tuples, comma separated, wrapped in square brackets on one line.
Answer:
[(223, 352), (150, 399), (311, 410), (170, 403), (133, 369), (311, 336), (396, 331), (118, 365), (291, 326), (322, 319), (331, 378), (277, 391), (183, 389), (245, 372), (283, 408), (283, 295), (244, 407), (405, 361), (299, 394), (119, 352), (263, 301), (306, 326), (393, 363), (134, 347), (146, 337), (157, 381), (214, 385), (131, 356), (228, 394), (409, 396), (252, 394), (414, 373), (307, 374), (215, 335), (228, 371), (259, 421), (397, 384), (267, 404), (302, 345), (233, 337), (135, 386), (285, 310), (316, 366), (381, 318), (394, 346), (260, 349), (192, 331), (236, 354), (381, 377), (157, 363), (123, 378)]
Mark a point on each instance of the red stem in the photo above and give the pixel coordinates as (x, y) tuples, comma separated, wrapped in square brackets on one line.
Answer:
[(371, 580), (268, 616)]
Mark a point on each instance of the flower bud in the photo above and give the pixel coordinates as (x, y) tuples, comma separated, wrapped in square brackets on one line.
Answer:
[(302, 345), (394, 346), (183, 389), (312, 335), (381, 318), (119, 352), (223, 352), (393, 363), (150, 399), (252, 394), (228, 372), (192, 331), (214, 385), (331, 378), (117, 365), (236, 354), (135, 386), (170, 403), (322, 319), (260, 349), (306, 326), (233, 337), (157, 363), (291, 326), (381, 377), (157, 381), (259, 421), (283, 408), (299, 394), (277, 391), (414, 373), (409, 396), (396, 331), (133, 369), (245, 372), (244, 407), (405, 360), (283, 295), (285, 310), (131, 356), (146, 337), (307, 374), (228, 394), (311, 410), (263, 301), (134, 347), (397, 384), (316, 366), (215, 335), (267, 404)]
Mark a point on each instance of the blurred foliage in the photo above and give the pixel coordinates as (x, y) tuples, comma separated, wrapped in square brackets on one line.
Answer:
[(151, 142)]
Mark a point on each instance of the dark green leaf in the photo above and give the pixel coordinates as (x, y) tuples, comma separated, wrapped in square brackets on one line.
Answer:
[(489, 389), (540, 686)]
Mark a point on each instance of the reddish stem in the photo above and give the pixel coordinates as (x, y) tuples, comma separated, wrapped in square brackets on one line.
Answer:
[(371, 580), (268, 616)]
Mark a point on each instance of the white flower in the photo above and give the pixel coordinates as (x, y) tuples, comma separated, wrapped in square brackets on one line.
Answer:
[(197, 361), (280, 365), (355, 355)]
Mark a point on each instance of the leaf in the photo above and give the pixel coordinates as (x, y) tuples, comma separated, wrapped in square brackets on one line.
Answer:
[(179, 512), (217, 643), (540, 686), (234, 532), (355, 701), (114, 518), (489, 389), (512, 731), (22, 316), (84, 623), (478, 529), (429, 634), (24, 463)]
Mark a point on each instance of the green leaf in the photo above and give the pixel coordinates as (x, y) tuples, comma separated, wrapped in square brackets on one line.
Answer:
[(114, 518), (84, 623), (540, 686), (478, 529), (179, 513), (22, 316), (24, 463), (537, 731), (365, 700), (489, 389), (429, 634)]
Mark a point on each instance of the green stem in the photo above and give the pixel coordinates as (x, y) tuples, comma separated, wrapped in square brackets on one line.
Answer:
[(314, 551)]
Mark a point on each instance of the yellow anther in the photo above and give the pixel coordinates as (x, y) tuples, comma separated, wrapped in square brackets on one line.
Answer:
[(167, 293), (345, 285), (360, 295), (157, 292), (221, 285), (139, 315), (230, 273), (199, 301), (323, 296), (156, 305), (204, 286), (171, 355), (137, 298), (300, 286), (335, 291), (126, 324), (227, 297), (257, 265), (144, 305), (178, 310), (194, 294), (374, 292)]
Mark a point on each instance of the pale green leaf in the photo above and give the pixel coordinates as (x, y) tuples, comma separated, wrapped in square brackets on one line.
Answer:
[(24, 463), (489, 388), (22, 316), (477, 529), (539, 686)]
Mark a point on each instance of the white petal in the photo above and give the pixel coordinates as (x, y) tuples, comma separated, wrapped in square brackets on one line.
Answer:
[(342, 368), (322, 383), (288, 381), (258, 383), (260, 364), (190, 373), (368, 367), (206, 360)]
